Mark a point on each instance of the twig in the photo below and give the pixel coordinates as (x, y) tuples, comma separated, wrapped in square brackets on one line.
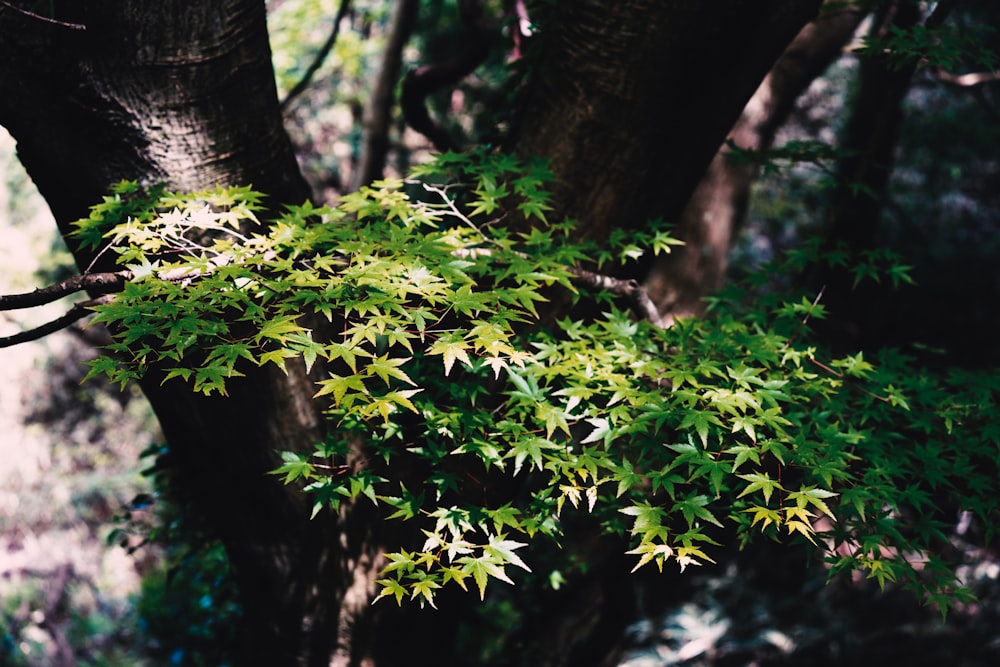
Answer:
[(808, 315), (841, 376), (320, 58), (454, 210), (630, 289), (44, 19), (77, 312), (970, 80)]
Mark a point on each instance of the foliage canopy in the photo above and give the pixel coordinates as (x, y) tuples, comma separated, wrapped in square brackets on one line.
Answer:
[(414, 303)]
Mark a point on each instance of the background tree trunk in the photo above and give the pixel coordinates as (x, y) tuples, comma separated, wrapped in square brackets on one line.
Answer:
[(867, 150), (629, 102), (679, 282), (377, 118)]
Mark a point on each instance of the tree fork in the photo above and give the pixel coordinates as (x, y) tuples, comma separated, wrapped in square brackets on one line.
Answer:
[(717, 208)]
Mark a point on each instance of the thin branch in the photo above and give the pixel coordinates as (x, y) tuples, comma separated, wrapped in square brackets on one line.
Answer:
[(101, 283), (479, 37), (44, 19), (378, 111), (630, 289), (450, 203), (77, 312), (808, 315), (970, 80), (841, 376), (320, 58)]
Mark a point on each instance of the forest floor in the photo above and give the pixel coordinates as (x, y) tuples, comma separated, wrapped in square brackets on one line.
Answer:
[(770, 607)]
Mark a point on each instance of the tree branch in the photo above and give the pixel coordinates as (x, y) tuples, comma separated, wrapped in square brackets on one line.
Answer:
[(631, 289), (426, 79), (320, 58), (44, 19), (378, 111), (77, 312), (970, 80), (100, 283)]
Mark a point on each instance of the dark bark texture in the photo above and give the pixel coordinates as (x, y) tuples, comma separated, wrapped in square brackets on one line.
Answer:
[(183, 94), (631, 100)]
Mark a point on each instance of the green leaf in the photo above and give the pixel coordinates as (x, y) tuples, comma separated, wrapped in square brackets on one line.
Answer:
[(341, 386), (451, 347), (700, 420), (386, 368), (295, 466), (759, 482), (481, 569), (503, 551), (390, 587), (651, 551)]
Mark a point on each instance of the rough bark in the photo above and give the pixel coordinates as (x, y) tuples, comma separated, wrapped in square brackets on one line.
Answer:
[(717, 208), (630, 100), (183, 94)]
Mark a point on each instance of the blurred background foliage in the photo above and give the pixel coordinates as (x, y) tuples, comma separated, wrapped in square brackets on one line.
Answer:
[(97, 567)]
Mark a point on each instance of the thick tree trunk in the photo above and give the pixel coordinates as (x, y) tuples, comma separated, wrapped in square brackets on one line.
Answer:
[(182, 93), (679, 282), (632, 99)]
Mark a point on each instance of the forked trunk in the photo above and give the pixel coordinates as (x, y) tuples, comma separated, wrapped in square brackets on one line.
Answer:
[(632, 100)]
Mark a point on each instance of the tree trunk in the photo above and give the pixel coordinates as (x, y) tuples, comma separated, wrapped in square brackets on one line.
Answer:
[(377, 119), (629, 102), (183, 94), (632, 99), (679, 282)]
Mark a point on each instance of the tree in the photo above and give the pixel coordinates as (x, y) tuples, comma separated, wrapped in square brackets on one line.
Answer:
[(182, 96)]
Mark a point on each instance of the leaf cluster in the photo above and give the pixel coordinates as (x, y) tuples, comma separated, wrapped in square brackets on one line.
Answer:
[(943, 47), (416, 307)]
